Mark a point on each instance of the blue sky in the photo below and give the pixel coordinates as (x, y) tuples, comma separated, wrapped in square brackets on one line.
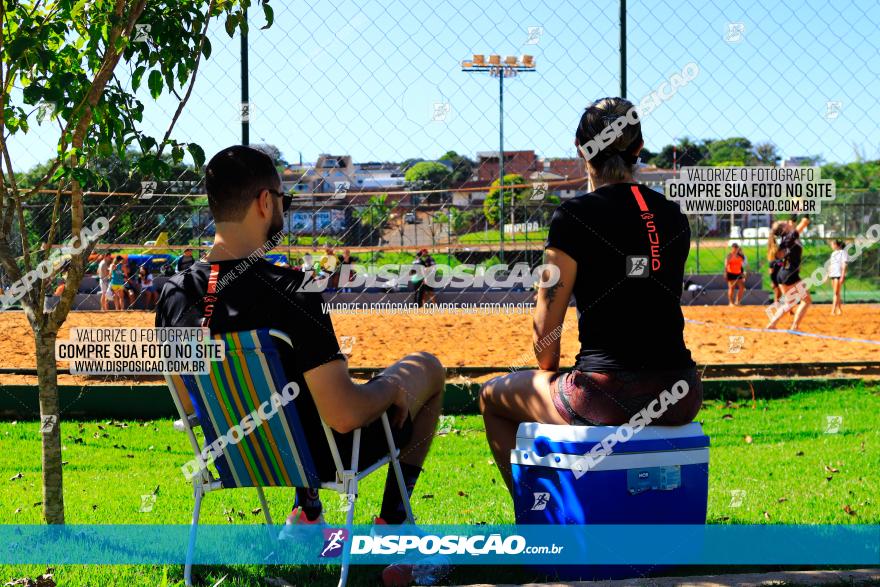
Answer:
[(362, 77)]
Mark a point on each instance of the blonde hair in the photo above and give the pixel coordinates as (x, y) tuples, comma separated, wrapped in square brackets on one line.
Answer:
[(616, 161), (776, 229)]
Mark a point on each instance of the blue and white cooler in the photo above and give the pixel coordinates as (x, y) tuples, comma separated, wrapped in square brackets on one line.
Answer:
[(659, 475)]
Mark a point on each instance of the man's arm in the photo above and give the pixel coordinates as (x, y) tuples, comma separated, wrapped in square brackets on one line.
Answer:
[(803, 224), (550, 309), (345, 405)]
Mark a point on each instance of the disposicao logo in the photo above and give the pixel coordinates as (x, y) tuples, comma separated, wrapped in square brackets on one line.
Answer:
[(334, 540)]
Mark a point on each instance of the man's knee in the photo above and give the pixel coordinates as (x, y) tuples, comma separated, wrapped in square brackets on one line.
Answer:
[(434, 370)]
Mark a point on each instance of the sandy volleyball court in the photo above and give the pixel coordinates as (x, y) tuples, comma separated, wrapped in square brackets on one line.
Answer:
[(504, 340)]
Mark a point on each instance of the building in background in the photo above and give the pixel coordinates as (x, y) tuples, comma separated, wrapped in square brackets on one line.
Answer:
[(521, 162)]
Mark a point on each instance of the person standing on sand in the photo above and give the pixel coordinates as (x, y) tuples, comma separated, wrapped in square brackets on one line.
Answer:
[(104, 280), (734, 268), (774, 262), (791, 252), (117, 283), (837, 274)]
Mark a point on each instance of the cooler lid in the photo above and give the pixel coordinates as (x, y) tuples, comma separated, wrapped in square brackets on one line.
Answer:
[(544, 439)]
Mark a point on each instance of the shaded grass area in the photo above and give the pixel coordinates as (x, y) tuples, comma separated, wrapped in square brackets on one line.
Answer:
[(776, 461)]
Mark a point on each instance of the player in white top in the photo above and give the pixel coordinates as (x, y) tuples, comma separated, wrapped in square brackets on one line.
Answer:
[(837, 274), (104, 279)]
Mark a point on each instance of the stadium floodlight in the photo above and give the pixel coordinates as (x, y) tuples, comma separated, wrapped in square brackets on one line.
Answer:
[(510, 68), (495, 68)]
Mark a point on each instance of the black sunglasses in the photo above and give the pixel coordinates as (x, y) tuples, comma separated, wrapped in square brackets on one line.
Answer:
[(286, 199)]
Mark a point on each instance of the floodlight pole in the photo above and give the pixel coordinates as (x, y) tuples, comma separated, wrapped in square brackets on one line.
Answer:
[(501, 165), (500, 69), (623, 49), (245, 124)]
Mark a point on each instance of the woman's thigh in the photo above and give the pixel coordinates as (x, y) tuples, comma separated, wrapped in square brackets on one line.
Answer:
[(522, 396)]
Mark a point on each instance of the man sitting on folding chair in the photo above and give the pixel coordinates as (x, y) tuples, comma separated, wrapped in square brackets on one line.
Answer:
[(236, 289)]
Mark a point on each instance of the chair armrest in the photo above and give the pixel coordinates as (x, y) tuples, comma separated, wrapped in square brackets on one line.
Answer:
[(193, 422)]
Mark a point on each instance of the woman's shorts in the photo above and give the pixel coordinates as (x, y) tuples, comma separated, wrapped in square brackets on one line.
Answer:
[(734, 276), (789, 276), (115, 287), (613, 398)]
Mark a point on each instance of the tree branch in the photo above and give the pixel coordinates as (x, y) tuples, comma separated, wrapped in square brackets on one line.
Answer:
[(192, 80)]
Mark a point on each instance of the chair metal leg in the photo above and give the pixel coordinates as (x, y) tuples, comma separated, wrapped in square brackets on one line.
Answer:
[(350, 481), (265, 505), (346, 552), (395, 464), (190, 551)]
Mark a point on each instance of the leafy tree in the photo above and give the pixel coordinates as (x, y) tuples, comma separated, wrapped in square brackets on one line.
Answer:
[(273, 152), (646, 154), (373, 216), (688, 153), (429, 175), (516, 196), (462, 167), (407, 163), (766, 154), (730, 152), (64, 56), (812, 161), (136, 223), (458, 220), (861, 175)]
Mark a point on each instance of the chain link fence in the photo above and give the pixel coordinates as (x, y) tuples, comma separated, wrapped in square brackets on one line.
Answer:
[(392, 141)]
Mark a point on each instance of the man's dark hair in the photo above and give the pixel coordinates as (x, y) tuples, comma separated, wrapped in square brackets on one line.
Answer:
[(233, 178)]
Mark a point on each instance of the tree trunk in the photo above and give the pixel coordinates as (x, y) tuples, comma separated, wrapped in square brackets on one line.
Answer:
[(50, 428)]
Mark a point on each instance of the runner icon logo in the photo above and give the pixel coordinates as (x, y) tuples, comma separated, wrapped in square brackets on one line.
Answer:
[(541, 501), (333, 542), (636, 266)]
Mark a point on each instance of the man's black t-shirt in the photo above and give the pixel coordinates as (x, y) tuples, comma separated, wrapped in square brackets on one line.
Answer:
[(251, 295), (257, 294), (629, 311), (185, 262)]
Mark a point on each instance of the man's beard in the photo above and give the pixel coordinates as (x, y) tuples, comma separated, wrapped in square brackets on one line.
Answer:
[(276, 231)]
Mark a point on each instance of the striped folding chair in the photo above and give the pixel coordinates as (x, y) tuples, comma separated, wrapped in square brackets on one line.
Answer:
[(276, 453)]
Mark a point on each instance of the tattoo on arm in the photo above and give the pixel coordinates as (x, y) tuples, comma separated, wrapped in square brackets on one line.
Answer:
[(552, 291)]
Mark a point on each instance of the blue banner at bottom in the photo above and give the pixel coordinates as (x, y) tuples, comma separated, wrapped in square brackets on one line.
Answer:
[(461, 545)]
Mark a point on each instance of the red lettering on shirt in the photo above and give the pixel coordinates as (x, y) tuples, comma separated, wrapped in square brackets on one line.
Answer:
[(650, 228)]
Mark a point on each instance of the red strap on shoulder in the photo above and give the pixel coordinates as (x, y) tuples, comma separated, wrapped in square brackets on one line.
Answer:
[(639, 199)]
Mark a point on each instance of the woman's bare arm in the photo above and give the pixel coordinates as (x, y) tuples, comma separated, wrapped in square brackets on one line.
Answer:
[(551, 307), (802, 225)]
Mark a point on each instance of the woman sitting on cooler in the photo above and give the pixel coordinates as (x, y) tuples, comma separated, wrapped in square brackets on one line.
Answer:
[(620, 250)]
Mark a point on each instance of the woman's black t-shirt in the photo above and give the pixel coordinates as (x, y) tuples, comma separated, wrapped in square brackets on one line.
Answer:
[(630, 244), (792, 249)]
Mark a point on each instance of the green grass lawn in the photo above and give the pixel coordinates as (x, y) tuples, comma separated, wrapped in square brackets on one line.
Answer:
[(776, 456), (494, 236), (816, 253)]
